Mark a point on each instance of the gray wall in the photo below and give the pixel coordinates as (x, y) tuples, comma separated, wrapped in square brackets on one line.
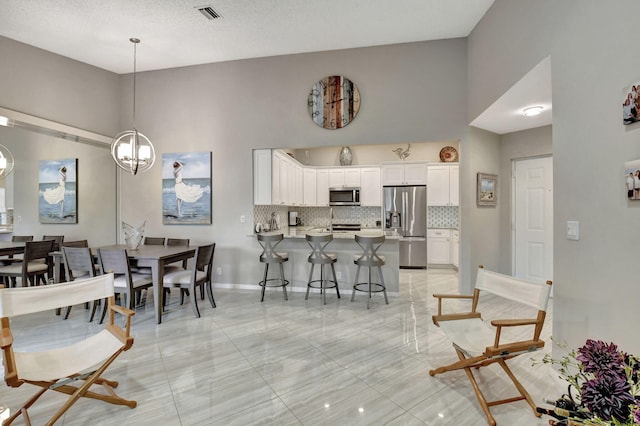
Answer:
[(595, 280), (479, 230), (514, 146), (409, 92), (45, 85)]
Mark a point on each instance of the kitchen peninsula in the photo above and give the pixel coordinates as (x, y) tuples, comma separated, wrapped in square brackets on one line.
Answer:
[(345, 247), (300, 191)]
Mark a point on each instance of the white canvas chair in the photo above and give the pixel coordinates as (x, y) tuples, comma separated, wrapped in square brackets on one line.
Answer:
[(479, 344), (72, 369)]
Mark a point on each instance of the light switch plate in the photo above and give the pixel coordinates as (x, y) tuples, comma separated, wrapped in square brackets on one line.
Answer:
[(573, 230)]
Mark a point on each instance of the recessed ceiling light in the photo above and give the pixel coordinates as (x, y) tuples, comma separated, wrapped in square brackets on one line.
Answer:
[(4, 121), (531, 111)]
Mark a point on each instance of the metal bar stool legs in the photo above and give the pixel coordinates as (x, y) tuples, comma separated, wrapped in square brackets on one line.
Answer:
[(269, 255), (369, 259), (319, 257)]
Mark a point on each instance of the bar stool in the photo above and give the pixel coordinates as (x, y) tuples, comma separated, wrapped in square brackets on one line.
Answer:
[(369, 259), (319, 257), (269, 255)]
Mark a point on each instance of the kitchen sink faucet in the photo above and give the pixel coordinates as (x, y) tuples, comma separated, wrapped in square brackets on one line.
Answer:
[(331, 220)]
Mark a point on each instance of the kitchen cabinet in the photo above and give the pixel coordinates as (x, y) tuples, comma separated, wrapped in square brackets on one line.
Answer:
[(322, 187), (443, 185), (309, 186), (347, 177), (370, 188), (276, 197), (262, 176), (297, 174), (283, 188), (404, 174), (439, 246), (455, 248)]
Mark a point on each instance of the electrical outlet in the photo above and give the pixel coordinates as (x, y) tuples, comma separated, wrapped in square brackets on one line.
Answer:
[(219, 271), (338, 275), (243, 219)]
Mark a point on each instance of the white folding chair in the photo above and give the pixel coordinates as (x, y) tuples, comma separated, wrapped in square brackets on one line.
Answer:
[(479, 344), (71, 369)]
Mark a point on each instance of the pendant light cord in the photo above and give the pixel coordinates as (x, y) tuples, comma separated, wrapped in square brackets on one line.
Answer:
[(135, 42)]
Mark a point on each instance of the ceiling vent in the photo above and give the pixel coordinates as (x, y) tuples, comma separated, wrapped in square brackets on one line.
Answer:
[(209, 12)]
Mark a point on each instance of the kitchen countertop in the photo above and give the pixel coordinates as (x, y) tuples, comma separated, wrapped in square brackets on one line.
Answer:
[(344, 247), (302, 231)]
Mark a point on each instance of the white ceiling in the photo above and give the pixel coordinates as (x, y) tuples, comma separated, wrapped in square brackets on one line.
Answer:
[(505, 114), (174, 33)]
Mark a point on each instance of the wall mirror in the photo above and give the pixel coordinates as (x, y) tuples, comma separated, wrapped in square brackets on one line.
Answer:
[(32, 140)]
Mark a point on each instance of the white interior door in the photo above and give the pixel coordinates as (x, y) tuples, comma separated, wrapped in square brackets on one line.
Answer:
[(533, 219)]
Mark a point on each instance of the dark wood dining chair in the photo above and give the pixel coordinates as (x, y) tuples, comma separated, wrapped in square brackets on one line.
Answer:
[(126, 283), (153, 241), (178, 242), (75, 243), (17, 239), (36, 262), (7, 260), (199, 275), (57, 243), (78, 262)]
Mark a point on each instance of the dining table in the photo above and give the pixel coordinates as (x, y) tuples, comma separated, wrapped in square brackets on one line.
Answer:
[(156, 258), (9, 248)]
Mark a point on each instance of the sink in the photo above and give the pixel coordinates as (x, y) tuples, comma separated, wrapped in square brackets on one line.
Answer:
[(320, 230)]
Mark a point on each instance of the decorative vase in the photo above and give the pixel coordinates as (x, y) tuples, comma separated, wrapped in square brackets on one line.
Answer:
[(346, 157), (132, 235)]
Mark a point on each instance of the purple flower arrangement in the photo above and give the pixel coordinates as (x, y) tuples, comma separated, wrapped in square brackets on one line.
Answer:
[(606, 383)]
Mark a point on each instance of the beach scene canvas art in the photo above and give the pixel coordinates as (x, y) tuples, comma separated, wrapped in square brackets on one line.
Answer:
[(186, 188), (57, 191)]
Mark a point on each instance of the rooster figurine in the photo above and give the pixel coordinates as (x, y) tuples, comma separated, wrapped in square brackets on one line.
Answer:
[(403, 154)]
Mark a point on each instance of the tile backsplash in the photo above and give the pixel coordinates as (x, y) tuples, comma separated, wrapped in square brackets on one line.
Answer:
[(442, 217), (437, 216), (319, 216)]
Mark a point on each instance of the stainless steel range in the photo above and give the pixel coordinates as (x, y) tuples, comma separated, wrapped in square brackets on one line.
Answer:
[(347, 227)]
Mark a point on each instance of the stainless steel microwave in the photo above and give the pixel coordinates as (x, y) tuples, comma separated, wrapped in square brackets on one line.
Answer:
[(344, 196)]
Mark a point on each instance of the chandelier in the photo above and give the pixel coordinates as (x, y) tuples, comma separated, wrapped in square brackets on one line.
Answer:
[(131, 150), (6, 161)]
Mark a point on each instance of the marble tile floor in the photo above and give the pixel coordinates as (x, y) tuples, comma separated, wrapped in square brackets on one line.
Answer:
[(292, 362)]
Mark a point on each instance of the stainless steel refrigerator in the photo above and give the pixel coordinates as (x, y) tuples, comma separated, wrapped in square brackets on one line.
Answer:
[(405, 212)]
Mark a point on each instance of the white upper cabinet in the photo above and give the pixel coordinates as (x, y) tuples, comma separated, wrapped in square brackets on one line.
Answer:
[(344, 178), (283, 190), (262, 176), (322, 187), (443, 185), (370, 190), (404, 174), (298, 184), (309, 187)]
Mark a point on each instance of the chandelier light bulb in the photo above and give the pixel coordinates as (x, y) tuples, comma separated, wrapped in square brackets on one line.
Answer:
[(6, 161)]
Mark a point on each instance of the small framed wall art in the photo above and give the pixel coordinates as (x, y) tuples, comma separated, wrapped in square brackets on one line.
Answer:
[(186, 188), (487, 192), (632, 179), (57, 191), (631, 104)]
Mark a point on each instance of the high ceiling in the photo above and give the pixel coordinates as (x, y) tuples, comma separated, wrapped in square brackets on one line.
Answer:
[(175, 33)]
